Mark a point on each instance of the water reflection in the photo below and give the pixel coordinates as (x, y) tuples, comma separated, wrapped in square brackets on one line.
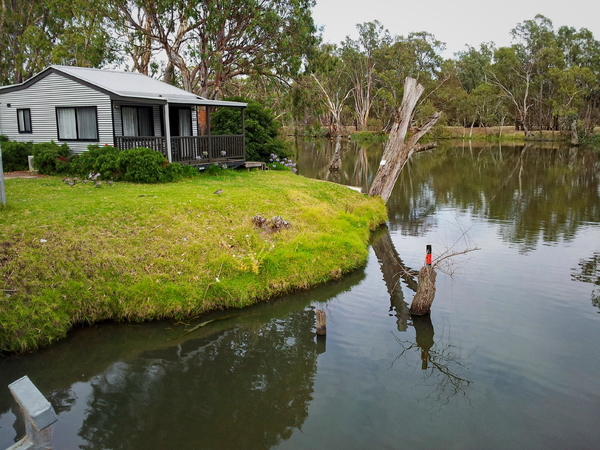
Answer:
[(442, 367), (210, 389), (356, 162), (532, 192), (393, 270), (440, 364), (588, 271), (243, 381)]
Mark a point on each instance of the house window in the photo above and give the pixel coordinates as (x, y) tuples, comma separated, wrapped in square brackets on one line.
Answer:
[(77, 124), (137, 121), (24, 120)]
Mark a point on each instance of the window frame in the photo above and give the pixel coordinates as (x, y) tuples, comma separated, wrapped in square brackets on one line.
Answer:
[(22, 125), (150, 109), (78, 138)]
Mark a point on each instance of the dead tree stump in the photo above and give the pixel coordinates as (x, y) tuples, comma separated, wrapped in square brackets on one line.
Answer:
[(398, 151), (321, 323), (423, 299)]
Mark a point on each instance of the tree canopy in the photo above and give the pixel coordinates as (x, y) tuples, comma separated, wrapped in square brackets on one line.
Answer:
[(209, 43), (270, 51)]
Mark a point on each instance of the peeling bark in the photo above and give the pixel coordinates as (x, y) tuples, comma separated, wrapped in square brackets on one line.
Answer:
[(398, 150), (574, 136)]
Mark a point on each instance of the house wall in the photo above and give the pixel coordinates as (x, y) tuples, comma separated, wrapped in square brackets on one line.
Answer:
[(195, 121), (42, 98)]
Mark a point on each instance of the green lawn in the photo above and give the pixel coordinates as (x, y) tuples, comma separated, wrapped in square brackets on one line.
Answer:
[(82, 254)]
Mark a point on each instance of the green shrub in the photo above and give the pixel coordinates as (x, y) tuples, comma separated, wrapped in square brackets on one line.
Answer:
[(97, 159), (315, 130), (189, 171), (14, 155), (172, 172), (141, 165), (261, 129), (369, 136), (51, 159), (213, 170)]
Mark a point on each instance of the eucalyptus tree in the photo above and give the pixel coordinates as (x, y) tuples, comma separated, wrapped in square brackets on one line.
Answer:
[(581, 52), (473, 65), (416, 56), (359, 57), (450, 97), (327, 77), (209, 43), (521, 71), (37, 33)]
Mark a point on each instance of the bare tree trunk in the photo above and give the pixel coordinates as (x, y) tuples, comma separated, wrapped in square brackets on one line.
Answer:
[(424, 337), (337, 157), (574, 136), (397, 151), (393, 270), (423, 299)]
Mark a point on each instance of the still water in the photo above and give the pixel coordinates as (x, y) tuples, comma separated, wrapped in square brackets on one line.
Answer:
[(509, 358)]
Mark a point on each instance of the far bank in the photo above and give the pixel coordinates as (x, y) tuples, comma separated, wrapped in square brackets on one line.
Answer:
[(496, 134)]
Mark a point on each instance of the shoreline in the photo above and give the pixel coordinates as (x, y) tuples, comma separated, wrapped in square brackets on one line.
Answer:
[(131, 252)]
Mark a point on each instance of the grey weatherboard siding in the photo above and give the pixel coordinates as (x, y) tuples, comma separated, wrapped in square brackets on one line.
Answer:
[(42, 97)]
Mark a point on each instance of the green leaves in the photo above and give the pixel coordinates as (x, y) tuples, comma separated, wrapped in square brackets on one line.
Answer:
[(38, 33), (212, 42), (261, 129)]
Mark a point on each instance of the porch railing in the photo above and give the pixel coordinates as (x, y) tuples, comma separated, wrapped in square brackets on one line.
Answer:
[(201, 149), (158, 144)]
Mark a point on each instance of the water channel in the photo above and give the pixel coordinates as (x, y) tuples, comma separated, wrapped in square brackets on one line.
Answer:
[(509, 358)]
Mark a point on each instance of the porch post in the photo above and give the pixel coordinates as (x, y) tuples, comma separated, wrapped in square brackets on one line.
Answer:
[(2, 188), (243, 134), (209, 135), (168, 133)]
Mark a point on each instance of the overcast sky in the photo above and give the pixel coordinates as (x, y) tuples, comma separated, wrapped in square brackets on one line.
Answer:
[(456, 23)]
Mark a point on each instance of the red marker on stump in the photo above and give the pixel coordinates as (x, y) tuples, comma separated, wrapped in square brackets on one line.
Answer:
[(428, 256)]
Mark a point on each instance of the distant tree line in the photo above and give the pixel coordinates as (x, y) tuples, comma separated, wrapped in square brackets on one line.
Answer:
[(270, 51), (546, 80)]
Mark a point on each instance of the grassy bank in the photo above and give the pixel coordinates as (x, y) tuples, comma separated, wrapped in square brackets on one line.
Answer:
[(76, 255)]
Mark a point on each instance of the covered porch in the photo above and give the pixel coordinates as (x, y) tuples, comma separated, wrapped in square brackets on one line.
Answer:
[(180, 129)]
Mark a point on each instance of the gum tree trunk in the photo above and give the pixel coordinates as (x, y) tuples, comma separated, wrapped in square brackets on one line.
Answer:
[(398, 150), (423, 299), (574, 136)]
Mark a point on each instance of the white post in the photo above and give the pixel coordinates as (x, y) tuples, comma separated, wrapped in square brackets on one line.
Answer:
[(168, 133), (2, 190), (38, 415)]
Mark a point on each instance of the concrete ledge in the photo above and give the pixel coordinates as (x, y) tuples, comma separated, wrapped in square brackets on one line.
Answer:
[(38, 415), (33, 403)]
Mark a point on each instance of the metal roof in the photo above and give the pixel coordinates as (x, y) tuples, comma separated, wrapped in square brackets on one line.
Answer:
[(130, 85)]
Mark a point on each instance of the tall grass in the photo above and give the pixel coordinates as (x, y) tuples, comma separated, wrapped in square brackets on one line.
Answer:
[(82, 254)]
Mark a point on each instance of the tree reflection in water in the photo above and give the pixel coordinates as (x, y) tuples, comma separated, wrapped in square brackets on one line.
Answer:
[(393, 270), (441, 365), (589, 272), (206, 393)]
